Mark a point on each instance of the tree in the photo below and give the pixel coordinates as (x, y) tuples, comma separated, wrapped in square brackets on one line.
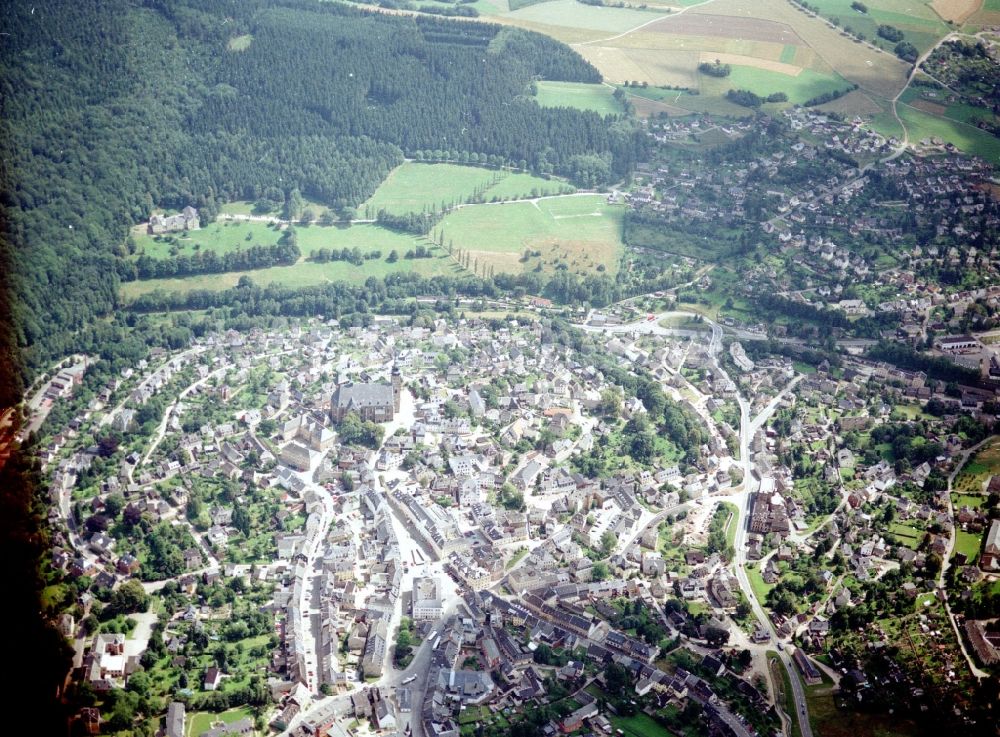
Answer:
[(611, 402), (608, 542), (599, 571), (617, 678), (241, 519), (543, 654), (113, 505), (128, 598), (293, 205), (716, 636)]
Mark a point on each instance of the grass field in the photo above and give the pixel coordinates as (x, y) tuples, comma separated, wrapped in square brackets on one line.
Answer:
[(799, 88), (640, 725), (581, 232), (917, 20), (574, 15), (200, 722), (968, 543), (922, 125), (979, 468), (973, 501), (240, 43), (220, 237), (779, 675), (414, 187), (596, 97), (907, 535), (760, 588), (302, 274)]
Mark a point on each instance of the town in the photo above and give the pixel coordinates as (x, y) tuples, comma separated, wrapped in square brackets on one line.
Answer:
[(452, 524)]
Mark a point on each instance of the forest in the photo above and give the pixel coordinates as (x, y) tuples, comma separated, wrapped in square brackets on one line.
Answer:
[(326, 99)]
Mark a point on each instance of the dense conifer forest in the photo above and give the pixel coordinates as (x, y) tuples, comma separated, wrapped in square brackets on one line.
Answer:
[(112, 110)]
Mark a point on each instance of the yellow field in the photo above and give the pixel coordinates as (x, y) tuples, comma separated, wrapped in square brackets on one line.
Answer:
[(876, 72), (750, 61), (958, 11)]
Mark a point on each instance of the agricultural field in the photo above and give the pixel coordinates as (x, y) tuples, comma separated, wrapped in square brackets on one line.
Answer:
[(916, 19), (596, 97), (415, 187), (924, 126), (986, 14), (800, 86), (562, 17), (581, 232)]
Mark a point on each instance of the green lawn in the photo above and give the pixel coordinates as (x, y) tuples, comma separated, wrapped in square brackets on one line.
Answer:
[(639, 725), (582, 232), (799, 88), (760, 588), (220, 237), (923, 125), (200, 722), (968, 543), (907, 535), (415, 187), (973, 501), (596, 97)]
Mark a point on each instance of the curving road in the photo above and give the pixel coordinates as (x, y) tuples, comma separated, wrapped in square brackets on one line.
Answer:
[(749, 426)]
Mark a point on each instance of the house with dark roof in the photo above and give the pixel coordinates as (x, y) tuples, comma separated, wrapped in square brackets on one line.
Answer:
[(371, 402)]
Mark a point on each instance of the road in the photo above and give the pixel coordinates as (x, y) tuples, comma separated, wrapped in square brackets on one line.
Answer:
[(946, 562), (749, 426)]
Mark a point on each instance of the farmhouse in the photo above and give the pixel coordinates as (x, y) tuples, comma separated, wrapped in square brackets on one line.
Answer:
[(186, 220), (990, 560)]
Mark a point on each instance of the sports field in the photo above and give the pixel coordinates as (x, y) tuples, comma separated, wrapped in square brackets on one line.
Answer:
[(578, 232), (415, 187), (596, 97)]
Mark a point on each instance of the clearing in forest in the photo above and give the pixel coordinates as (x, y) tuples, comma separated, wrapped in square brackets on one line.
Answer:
[(416, 187), (596, 97)]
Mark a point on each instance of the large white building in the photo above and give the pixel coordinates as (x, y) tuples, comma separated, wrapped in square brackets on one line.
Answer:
[(426, 598)]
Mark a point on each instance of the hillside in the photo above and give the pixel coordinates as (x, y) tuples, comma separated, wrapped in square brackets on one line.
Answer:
[(201, 103)]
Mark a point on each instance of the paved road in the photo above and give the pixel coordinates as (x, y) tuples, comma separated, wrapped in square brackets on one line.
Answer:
[(749, 426)]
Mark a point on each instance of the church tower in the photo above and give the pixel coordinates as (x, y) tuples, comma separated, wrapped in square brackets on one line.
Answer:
[(397, 386)]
